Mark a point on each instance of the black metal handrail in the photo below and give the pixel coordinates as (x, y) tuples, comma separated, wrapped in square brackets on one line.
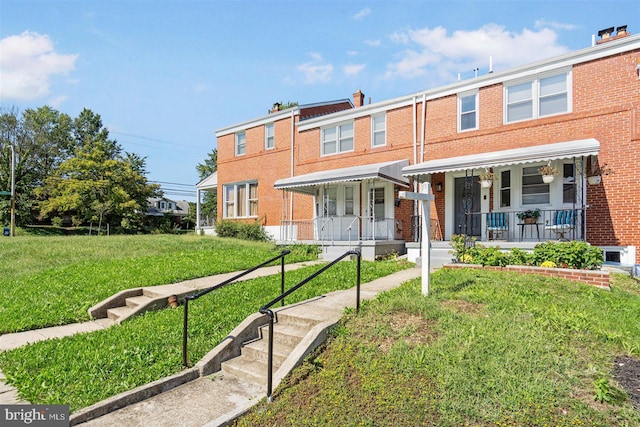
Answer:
[(203, 292), (266, 309)]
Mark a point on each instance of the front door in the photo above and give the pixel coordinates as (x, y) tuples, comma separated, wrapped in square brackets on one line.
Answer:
[(467, 206)]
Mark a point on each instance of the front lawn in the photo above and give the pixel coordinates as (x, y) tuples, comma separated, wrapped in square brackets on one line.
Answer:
[(483, 349), (49, 281), (84, 369)]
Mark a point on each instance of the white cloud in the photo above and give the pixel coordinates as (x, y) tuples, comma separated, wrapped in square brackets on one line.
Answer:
[(316, 70), (353, 69), (543, 23), (434, 52), (27, 63), (352, 52), (373, 43), (362, 14)]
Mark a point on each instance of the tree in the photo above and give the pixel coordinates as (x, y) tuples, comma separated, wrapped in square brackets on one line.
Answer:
[(209, 206), (99, 183), (42, 139)]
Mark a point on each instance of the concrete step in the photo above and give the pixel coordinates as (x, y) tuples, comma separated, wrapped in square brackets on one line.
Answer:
[(134, 302), (117, 313), (301, 318), (259, 351), (283, 334), (247, 369)]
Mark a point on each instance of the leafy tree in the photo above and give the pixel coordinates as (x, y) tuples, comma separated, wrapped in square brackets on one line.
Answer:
[(99, 183), (42, 139), (209, 205)]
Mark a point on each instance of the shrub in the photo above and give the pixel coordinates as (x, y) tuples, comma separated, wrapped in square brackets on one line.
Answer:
[(252, 231), (519, 257), (491, 255), (548, 264), (575, 254)]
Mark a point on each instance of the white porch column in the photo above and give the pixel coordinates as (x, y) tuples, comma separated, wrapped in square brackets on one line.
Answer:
[(198, 222)]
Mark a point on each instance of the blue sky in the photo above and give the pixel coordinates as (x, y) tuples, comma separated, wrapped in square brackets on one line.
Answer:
[(164, 75)]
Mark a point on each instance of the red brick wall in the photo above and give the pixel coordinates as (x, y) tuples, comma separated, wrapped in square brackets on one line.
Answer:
[(590, 277)]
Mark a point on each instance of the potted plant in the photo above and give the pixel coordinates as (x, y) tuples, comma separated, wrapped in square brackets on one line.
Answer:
[(529, 216), (486, 178), (595, 172), (548, 172)]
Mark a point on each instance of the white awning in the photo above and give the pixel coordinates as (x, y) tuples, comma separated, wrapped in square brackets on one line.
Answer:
[(537, 153), (209, 182), (389, 171)]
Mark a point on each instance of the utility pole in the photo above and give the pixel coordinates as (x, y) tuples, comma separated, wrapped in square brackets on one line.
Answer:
[(12, 233)]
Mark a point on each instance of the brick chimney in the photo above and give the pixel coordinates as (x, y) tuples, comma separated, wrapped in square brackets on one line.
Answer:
[(276, 107), (358, 98), (606, 35)]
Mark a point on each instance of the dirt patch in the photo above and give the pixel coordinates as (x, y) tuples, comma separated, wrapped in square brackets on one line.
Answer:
[(411, 328), (626, 372), (466, 307)]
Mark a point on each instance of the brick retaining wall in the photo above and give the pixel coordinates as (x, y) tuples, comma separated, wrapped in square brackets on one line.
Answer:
[(596, 278)]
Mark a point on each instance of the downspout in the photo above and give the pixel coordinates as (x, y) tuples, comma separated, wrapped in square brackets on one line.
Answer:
[(422, 131), (292, 162)]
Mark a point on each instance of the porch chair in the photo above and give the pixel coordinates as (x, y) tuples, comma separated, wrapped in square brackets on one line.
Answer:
[(561, 223), (496, 224)]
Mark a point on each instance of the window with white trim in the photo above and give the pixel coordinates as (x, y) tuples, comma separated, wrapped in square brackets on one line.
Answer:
[(534, 190), (540, 97), (468, 112), (269, 140), (349, 200), (505, 189), (336, 139), (379, 130), (568, 183), (241, 143), (241, 200)]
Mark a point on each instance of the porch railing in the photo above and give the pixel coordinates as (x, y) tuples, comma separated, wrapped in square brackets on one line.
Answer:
[(550, 224), (341, 228)]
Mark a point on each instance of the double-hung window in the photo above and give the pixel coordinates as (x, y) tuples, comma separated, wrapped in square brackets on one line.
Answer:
[(241, 200), (540, 97), (534, 190), (468, 112), (241, 143), (378, 130), (337, 139), (269, 140)]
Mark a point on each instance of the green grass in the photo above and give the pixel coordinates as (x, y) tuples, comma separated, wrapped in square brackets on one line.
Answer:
[(483, 349), (58, 278), (84, 369)]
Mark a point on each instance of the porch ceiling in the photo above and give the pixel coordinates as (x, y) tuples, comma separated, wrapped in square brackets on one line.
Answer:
[(389, 171), (537, 153)]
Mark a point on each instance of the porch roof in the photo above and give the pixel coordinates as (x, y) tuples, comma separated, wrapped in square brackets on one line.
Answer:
[(537, 153), (389, 171), (209, 182)]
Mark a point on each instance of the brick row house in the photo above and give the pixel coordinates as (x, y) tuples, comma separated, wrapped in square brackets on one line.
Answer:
[(331, 172)]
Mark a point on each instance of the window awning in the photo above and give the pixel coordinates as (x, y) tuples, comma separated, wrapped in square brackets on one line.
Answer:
[(537, 153), (389, 171)]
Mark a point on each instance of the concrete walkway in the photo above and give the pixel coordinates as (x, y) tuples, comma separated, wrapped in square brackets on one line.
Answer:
[(199, 401)]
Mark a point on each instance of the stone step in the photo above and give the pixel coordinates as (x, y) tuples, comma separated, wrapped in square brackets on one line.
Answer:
[(302, 318), (247, 369), (117, 313), (134, 302)]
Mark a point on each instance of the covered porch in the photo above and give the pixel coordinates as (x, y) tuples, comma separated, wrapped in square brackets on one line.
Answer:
[(354, 207), (504, 196), (205, 224)]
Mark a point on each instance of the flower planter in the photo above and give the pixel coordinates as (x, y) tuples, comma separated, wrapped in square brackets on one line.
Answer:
[(530, 220), (547, 178), (594, 180), (486, 183)]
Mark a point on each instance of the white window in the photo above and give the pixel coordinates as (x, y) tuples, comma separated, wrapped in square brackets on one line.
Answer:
[(241, 143), (337, 139), (379, 130), (269, 141), (505, 189), (541, 97), (241, 200), (349, 201), (468, 112), (534, 190)]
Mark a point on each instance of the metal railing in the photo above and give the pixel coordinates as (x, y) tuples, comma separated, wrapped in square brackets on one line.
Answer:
[(266, 309), (519, 228), (193, 297)]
